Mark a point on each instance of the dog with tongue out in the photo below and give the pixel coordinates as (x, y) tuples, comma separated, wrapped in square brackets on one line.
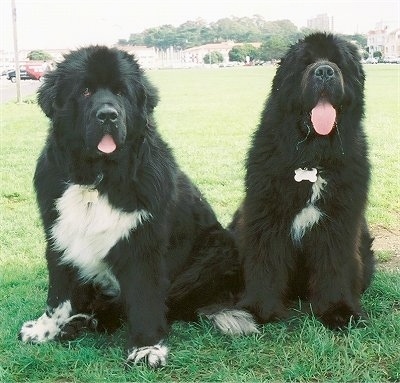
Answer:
[(301, 228)]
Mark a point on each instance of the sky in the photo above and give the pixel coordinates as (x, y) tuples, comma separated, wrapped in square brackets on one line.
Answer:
[(68, 24)]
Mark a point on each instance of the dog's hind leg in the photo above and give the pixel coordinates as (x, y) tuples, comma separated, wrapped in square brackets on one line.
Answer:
[(209, 286), (367, 255)]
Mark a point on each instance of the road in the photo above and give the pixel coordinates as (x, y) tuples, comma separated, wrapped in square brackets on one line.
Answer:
[(8, 90)]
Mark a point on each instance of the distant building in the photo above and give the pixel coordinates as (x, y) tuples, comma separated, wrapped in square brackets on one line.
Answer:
[(146, 56), (384, 40), (322, 23), (196, 54), (392, 45), (376, 41)]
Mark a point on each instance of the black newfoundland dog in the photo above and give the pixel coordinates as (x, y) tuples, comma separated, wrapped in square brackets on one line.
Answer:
[(128, 235), (301, 228)]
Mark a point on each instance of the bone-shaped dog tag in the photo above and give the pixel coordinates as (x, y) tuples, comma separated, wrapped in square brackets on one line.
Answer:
[(304, 174), (89, 195)]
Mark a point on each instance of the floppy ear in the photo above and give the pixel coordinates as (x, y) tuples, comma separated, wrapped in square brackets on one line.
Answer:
[(47, 93), (147, 98), (150, 96)]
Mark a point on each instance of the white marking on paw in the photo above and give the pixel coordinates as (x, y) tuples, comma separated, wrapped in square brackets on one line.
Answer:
[(154, 356), (234, 322), (309, 215), (46, 327), (50, 324), (86, 232)]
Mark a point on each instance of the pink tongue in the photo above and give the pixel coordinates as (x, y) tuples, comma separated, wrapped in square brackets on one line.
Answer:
[(323, 118), (107, 144)]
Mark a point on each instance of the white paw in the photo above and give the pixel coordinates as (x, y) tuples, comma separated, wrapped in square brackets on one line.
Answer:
[(48, 326), (39, 331), (154, 356)]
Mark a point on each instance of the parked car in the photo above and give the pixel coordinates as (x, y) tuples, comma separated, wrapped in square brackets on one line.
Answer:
[(371, 60), (391, 60), (28, 72), (12, 76)]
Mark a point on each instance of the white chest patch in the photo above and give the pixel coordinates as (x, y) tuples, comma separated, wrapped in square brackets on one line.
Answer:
[(87, 229), (310, 214)]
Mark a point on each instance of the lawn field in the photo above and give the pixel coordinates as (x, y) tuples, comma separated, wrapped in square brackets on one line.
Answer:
[(207, 116)]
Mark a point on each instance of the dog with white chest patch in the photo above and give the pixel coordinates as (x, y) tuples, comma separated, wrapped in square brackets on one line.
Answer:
[(301, 228), (129, 237)]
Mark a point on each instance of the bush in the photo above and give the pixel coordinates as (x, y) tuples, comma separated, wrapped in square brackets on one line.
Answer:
[(213, 58), (39, 56), (240, 52)]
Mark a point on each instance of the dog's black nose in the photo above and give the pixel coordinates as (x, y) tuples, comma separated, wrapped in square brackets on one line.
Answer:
[(324, 72), (107, 114)]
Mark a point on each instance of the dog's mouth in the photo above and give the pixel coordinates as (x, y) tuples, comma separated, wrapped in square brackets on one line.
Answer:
[(107, 144), (323, 117)]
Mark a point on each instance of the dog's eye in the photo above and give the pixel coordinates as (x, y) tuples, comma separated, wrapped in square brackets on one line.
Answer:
[(86, 92), (119, 92)]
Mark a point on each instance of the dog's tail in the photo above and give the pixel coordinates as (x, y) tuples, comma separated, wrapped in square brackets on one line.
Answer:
[(210, 285), (230, 321)]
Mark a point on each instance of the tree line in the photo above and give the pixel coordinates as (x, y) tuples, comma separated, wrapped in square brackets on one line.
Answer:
[(274, 36)]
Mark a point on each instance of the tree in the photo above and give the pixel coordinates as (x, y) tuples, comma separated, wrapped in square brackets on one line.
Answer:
[(192, 33), (160, 37), (281, 34), (39, 56), (237, 29), (213, 58), (136, 39), (273, 48), (361, 40), (123, 42), (275, 36), (240, 52), (377, 55)]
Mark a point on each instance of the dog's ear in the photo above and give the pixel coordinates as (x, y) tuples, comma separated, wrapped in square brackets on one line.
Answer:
[(147, 93), (47, 93), (151, 98), (148, 99)]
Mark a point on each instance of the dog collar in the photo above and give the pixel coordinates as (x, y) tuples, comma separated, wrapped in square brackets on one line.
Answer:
[(305, 174), (90, 194)]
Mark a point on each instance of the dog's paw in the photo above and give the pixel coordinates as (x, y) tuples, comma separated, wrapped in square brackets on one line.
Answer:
[(154, 356), (76, 325), (39, 331), (56, 323), (341, 316)]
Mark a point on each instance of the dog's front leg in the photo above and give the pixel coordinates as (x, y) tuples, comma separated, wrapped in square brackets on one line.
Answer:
[(336, 282), (143, 287), (60, 319)]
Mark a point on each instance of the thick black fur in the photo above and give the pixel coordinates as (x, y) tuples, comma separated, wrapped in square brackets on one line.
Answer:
[(333, 262), (171, 264)]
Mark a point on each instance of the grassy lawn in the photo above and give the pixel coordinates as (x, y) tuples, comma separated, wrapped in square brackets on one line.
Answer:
[(207, 116)]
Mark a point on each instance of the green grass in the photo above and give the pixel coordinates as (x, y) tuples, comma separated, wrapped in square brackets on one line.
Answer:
[(207, 116)]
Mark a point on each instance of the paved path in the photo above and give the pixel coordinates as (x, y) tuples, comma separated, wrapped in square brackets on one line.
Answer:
[(8, 90)]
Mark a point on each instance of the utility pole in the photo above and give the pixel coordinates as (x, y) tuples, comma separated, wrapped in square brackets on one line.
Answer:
[(17, 72)]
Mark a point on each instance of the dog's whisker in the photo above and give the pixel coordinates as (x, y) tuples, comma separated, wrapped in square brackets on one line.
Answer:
[(305, 139)]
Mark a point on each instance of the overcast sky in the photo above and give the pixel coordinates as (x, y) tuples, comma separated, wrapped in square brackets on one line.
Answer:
[(72, 23)]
